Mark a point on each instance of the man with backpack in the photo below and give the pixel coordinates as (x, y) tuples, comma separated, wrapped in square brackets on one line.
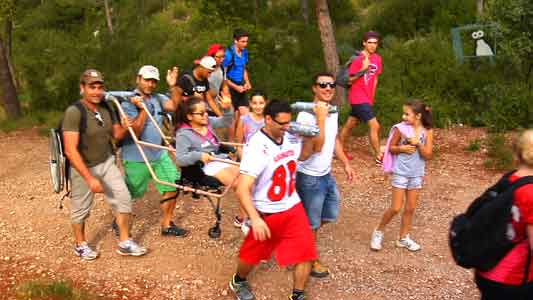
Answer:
[(364, 72), (88, 127), (196, 83), (235, 62), (137, 173)]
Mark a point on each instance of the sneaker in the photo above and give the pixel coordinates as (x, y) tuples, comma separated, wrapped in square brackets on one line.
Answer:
[(408, 243), (241, 289), (174, 230), (319, 270), (376, 240), (130, 247), (299, 297), (114, 227), (238, 221), (85, 252), (245, 228)]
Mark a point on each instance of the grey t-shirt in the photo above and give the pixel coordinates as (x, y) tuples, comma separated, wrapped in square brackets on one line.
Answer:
[(410, 165), (95, 143), (215, 80)]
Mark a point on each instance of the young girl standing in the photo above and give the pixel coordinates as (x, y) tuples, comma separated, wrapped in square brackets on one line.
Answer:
[(253, 121), (410, 145)]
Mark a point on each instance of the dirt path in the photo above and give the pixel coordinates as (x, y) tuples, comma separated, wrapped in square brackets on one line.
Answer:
[(36, 242)]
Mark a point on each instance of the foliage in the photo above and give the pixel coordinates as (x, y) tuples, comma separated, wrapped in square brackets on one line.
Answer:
[(54, 41), (474, 146), (36, 290), (500, 155)]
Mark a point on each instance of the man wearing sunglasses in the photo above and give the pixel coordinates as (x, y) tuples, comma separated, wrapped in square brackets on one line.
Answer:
[(137, 173), (93, 169), (196, 83), (364, 72), (314, 183)]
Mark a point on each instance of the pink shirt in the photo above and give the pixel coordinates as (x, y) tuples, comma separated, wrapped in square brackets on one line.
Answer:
[(510, 270), (364, 88)]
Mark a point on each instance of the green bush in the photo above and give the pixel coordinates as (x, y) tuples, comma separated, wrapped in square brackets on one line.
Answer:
[(500, 155), (37, 290)]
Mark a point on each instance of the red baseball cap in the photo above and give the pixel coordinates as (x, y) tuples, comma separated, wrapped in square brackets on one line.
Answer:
[(213, 49)]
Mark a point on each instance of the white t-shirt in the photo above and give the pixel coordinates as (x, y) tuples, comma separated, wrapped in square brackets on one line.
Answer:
[(319, 163), (274, 167)]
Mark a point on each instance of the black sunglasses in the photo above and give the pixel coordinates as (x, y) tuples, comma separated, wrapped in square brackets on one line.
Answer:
[(323, 85), (200, 113), (281, 123)]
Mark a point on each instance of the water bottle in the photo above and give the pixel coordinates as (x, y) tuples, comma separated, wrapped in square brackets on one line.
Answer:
[(119, 94), (309, 106), (303, 130)]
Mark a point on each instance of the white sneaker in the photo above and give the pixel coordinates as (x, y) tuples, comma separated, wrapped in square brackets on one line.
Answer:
[(245, 227), (85, 252), (408, 243), (376, 240)]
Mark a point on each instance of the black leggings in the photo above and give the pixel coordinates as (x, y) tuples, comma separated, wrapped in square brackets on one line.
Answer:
[(491, 290)]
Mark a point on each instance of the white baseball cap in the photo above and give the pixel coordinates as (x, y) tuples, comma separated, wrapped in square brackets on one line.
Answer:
[(149, 72), (208, 62)]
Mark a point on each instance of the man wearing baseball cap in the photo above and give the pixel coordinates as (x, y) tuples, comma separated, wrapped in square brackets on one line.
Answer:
[(137, 173), (196, 83), (88, 126), (364, 72)]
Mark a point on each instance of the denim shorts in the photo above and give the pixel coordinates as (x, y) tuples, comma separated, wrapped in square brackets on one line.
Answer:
[(363, 111), (408, 183), (320, 197)]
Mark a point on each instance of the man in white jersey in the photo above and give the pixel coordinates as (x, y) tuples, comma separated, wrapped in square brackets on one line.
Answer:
[(266, 189), (315, 184)]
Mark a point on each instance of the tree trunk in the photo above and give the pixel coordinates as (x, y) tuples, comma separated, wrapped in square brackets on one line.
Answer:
[(304, 8), (479, 7), (329, 45), (10, 100), (108, 17), (8, 36)]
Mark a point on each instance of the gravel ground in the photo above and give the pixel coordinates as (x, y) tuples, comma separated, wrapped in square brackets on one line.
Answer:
[(36, 240)]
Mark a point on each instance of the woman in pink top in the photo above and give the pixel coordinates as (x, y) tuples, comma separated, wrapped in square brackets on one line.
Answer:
[(508, 279)]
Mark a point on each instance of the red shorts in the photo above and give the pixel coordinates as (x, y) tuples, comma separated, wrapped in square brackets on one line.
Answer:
[(291, 239)]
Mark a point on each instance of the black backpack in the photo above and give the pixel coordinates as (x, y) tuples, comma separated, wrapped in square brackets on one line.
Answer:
[(343, 75), (58, 162), (479, 238)]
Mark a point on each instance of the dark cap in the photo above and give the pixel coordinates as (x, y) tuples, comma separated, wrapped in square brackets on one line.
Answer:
[(371, 35), (91, 76)]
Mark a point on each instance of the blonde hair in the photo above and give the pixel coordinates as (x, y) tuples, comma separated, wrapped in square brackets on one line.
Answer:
[(524, 148)]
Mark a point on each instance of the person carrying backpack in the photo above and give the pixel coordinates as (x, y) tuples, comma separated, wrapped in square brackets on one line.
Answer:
[(364, 72), (410, 144), (93, 170), (235, 65), (512, 277)]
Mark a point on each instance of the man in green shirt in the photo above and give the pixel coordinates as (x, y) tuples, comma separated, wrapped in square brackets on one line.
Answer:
[(93, 169)]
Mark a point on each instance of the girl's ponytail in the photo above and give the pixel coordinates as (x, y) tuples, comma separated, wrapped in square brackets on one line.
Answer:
[(424, 110)]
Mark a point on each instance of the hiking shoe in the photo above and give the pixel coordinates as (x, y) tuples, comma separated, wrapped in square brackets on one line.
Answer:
[(299, 297), (114, 227), (85, 252), (130, 247), (408, 243), (376, 240), (319, 270), (238, 221), (241, 289), (174, 230)]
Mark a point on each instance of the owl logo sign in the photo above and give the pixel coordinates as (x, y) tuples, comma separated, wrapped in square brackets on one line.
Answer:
[(484, 42)]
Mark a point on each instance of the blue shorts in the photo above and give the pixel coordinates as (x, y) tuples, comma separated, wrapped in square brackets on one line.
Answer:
[(364, 112), (407, 183), (320, 197)]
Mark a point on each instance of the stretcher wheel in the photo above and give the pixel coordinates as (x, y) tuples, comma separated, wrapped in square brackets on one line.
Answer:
[(214, 232)]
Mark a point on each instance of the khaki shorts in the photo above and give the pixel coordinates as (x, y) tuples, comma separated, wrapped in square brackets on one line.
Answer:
[(115, 191)]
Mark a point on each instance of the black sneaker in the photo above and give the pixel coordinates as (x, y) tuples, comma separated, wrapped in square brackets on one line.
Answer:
[(241, 289), (174, 230), (299, 297)]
